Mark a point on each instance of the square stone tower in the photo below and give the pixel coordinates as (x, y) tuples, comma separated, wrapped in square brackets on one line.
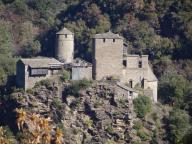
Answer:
[(107, 55)]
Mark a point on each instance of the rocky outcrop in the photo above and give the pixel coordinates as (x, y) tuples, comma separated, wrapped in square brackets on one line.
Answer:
[(93, 116)]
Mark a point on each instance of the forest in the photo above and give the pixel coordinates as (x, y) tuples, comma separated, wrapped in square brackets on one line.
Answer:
[(161, 29)]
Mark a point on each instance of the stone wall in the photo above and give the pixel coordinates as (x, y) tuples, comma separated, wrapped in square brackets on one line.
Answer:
[(124, 94), (30, 81), (78, 73), (133, 61), (153, 85), (107, 58), (140, 76), (136, 75)]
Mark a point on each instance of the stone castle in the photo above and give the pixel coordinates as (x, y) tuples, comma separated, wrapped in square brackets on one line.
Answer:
[(110, 60)]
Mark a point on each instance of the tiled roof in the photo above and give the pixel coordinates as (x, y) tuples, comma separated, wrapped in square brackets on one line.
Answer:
[(40, 62), (108, 35), (64, 31)]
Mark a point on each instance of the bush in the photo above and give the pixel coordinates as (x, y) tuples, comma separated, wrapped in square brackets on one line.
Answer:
[(74, 88), (30, 91), (137, 125), (143, 135), (88, 122), (46, 83), (57, 103), (142, 105), (109, 129), (65, 75)]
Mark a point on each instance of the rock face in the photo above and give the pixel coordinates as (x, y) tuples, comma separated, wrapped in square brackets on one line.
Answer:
[(95, 115)]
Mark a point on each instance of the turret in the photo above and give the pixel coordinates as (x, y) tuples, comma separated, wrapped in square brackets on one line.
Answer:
[(64, 46)]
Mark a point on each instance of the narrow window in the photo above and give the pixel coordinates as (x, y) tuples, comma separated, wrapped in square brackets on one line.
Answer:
[(125, 63), (113, 40), (140, 64), (104, 40), (131, 93), (131, 83), (65, 35)]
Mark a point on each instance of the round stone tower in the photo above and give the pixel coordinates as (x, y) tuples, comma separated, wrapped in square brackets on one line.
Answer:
[(65, 45)]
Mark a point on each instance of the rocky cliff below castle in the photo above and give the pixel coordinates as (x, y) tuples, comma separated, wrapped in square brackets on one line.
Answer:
[(85, 112)]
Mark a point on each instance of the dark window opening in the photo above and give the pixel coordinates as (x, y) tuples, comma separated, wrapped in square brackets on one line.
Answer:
[(103, 40), (125, 63), (140, 64), (142, 83), (131, 83), (65, 35), (113, 40), (131, 93)]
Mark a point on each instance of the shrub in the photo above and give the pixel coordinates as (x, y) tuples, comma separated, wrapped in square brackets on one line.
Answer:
[(46, 83), (83, 84), (109, 129), (143, 135), (137, 125), (74, 88), (57, 103), (65, 75), (142, 105), (30, 91), (88, 122)]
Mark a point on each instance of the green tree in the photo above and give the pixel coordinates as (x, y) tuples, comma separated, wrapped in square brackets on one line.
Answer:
[(142, 105), (31, 48), (173, 89), (7, 62), (179, 125)]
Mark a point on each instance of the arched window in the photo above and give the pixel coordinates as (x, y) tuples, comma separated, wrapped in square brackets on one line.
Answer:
[(104, 40)]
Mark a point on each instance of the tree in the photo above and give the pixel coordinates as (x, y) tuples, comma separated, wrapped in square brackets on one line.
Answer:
[(31, 48), (173, 89), (7, 62), (179, 125), (142, 105)]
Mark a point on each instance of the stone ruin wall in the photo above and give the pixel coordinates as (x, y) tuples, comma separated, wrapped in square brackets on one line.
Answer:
[(108, 58)]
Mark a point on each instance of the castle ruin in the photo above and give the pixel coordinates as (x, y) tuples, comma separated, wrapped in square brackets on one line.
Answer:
[(110, 59)]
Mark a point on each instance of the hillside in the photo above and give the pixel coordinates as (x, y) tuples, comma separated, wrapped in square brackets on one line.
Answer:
[(160, 28)]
